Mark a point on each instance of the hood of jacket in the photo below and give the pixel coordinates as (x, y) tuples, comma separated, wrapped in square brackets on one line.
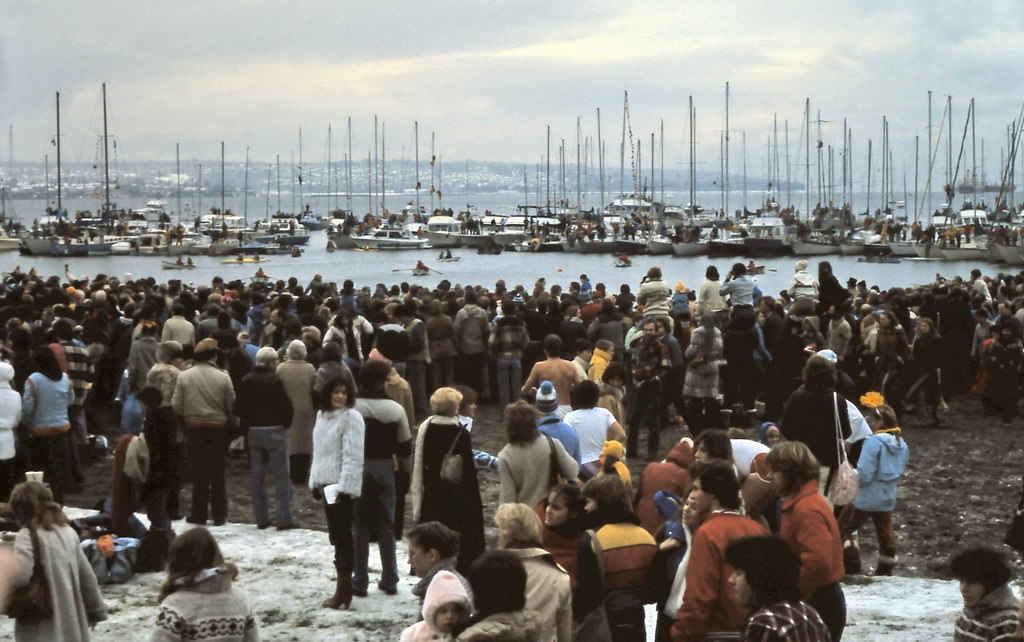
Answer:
[(6, 374), (444, 588), (893, 456), (509, 626)]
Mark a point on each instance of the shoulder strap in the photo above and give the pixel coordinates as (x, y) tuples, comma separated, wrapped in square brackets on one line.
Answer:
[(37, 560), (840, 451), (458, 433), (595, 545), (553, 472)]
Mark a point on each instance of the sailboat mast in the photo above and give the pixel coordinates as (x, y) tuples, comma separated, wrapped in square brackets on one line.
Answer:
[(600, 155), (622, 145), (547, 172), (579, 194), (223, 208), (177, 175), (693, 171), (927, 191), (662, 153), (807, 156), (416, 144), (302, 205), (789, 192), (245, 192), (348, 167), (744, 156), (868, 206), (725, 173), (383, 174), (106, 155), (58, 156), (330, 169)]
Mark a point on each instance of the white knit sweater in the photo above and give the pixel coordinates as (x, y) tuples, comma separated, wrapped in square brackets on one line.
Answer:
[(338, 451)]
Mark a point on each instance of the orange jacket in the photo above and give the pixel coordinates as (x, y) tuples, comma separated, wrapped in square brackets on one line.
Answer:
[(670, 475), (811, 531), (709, 603)]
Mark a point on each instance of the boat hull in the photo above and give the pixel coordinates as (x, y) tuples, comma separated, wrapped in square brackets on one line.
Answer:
[(689, 249), (966, 254), (810, 248)]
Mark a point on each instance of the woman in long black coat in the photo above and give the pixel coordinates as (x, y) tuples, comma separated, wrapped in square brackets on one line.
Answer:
[(456, 505)]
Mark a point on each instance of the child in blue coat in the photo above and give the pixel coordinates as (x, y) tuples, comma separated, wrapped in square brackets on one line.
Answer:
[(881, 464)]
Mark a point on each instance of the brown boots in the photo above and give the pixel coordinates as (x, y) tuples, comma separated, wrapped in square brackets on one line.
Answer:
[(342, 591)]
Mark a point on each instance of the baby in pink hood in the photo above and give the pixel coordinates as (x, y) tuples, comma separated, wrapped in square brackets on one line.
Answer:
[(445, 606)]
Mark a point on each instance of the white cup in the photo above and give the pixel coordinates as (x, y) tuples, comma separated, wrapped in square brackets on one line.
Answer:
[(34, 476)]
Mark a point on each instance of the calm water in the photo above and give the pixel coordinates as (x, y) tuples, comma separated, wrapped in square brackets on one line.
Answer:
[(368, 268)]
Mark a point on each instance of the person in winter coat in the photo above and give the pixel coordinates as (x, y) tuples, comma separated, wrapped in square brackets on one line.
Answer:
[(803, 289), (882, 461), (471, 333), (445, 606), (709, 605), (765, 579), (668, 475), (562, 513), (548, 590), (48, 393), (990, 608), (654, 295), (10, 417), (198, 599), (456, 505), (159, 429), (700, 388), (830, 291), (810, 415), (508, 340), (615, 557), (264, 409), (498, 579), (709, 301), (298, 376), (810, 529), (70, 580), (1003, 361), (203, 400), (530, 464), (892, 351), (336, 476), (924, 374)]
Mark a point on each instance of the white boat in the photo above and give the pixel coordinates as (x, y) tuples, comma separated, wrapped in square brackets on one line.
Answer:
[(902, 248), (976, 250), (682, 248), (444, 231), (9, 243), (391, 238), (659, 245), (1011, 254), (815, 247)]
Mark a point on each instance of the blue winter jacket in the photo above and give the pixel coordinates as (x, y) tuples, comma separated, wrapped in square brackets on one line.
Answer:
[(881, 463), (45, 404)]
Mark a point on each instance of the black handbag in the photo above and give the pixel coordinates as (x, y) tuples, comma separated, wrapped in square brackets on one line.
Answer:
[(32, 602), (1015, 535)]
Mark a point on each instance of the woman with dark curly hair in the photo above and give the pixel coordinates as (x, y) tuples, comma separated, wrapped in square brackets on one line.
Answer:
[(531, 462)]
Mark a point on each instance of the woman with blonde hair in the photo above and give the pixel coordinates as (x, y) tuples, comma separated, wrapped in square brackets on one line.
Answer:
[(810, 529), (73, 590), (548, 589), (199, 594), (455, 502)]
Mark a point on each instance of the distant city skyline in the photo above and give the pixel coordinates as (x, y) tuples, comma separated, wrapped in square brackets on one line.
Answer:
[(486, 80)]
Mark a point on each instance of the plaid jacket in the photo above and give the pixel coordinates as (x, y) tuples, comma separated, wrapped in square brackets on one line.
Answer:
[(80, 370)]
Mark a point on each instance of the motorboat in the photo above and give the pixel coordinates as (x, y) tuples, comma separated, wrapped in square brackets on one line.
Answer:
[(390, 237), (768, 236)]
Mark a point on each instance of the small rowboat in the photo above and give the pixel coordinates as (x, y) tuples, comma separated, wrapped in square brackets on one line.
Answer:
[(419, 272), (173, 265), (623, 263), (451, 259)]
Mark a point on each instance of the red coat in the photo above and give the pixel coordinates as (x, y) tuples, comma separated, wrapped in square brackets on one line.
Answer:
[(811, 531), (670, 475), (709, 603)]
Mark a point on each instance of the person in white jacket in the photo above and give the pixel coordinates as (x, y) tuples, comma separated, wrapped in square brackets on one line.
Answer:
[(10, 417), (336, 475)]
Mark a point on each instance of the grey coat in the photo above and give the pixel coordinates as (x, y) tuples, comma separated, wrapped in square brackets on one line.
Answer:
[(74, 592), (702, 378), (298, 378)]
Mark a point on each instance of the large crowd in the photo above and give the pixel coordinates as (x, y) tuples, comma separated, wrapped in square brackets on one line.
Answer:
[(782, 412)]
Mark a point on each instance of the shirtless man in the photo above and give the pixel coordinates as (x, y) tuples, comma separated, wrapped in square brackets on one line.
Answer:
[(563, 374)]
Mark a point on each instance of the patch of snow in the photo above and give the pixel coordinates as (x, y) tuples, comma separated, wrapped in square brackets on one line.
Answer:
[(286, 574)]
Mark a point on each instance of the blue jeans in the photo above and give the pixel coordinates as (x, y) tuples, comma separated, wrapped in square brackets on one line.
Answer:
[(268, 449), (510, 379), (376, 505)]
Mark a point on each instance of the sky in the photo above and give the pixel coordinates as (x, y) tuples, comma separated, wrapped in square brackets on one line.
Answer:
[(486, 78)]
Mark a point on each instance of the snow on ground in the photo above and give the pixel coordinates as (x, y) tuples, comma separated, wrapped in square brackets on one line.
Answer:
[(287, 574)]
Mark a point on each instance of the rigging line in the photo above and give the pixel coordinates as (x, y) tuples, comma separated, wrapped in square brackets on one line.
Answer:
[(931, 163)]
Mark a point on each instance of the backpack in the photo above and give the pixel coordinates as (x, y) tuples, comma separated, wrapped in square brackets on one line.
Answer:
[(112, 559)]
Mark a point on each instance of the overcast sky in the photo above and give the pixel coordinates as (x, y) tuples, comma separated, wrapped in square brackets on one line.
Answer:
[(487, 76)]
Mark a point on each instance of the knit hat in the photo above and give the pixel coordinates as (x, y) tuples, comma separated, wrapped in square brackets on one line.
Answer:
[(206, 345), (828, 354), (547, 398)]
